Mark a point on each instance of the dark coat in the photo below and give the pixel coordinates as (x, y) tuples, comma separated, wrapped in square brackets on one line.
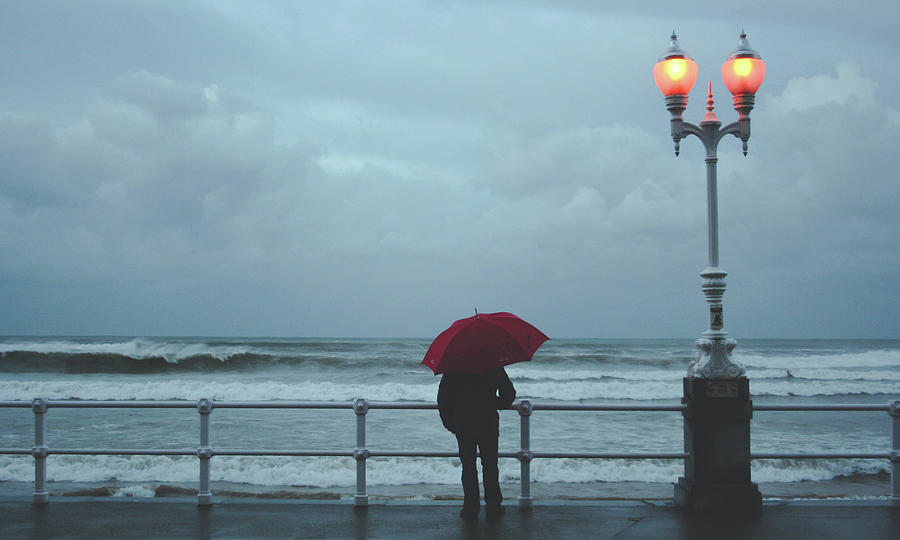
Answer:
[(468, 403)]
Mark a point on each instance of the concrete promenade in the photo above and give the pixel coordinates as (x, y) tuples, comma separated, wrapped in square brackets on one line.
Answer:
[(174, 518)]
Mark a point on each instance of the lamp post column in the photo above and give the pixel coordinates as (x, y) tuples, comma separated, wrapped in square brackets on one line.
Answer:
[(714, 359)]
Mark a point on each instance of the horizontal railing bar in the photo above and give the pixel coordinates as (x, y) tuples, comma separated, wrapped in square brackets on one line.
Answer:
[(282, 453), (124, 404), (423, 405), (825, 407), (591, 455), (596, 407), (824, 455), (413, 453), (610, 455), (406, 405), (282, 404), (15, 451), (397, 405), (120, 452)]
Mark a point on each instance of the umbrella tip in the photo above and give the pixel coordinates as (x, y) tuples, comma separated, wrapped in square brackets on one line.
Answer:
[(476, 314)]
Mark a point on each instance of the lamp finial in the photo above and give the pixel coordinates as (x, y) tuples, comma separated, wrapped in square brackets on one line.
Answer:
[(710, 106)]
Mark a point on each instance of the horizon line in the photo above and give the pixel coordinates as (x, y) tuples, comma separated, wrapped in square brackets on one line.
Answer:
[(369, 337)]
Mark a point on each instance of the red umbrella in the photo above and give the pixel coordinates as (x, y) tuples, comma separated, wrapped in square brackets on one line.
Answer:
[(483, 343)]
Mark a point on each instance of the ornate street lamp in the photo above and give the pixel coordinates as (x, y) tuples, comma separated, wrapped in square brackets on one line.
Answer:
[(716, 391), (743, 73)]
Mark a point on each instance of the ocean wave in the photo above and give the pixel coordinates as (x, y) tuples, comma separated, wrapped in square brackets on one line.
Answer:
[(181, 359), (555, 361), (535, 374), (325, 472), (236, 360), (885, 358), (800, 470), (138, 349), (175, 349), (809, 388), (884, 375), (33, 362), (192, 389), (605, 361), (223, 391), (619, 389)]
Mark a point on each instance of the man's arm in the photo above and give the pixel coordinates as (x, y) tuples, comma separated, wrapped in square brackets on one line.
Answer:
[(445, 399), (506, 390)]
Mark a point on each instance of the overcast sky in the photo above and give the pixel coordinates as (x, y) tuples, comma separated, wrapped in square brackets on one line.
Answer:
[(384, 168)]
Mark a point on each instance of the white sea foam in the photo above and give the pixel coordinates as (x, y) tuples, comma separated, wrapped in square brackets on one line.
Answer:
[(590, 373), (135, 491), (885, 375), (328, 472), (822, 388), (323, 391), (87, 388), (617, 389), (193, 388), (797, 470), (876, 358), (171, 351)]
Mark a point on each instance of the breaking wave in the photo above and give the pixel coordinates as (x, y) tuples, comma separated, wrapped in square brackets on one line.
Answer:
[(142, 356), (616, 389), (325, 472)]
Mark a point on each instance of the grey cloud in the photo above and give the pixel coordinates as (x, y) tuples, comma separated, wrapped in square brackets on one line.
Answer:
[(309, 169), (163, 97), (610, 158)]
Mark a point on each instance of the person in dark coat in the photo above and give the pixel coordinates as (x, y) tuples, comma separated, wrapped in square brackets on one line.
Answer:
[(468, 405)]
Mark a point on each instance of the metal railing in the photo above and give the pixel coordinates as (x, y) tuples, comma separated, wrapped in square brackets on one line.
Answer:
[(40, 451)]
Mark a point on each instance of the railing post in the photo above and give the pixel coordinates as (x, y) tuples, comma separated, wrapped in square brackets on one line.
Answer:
[(361, 453), (525, 454), (895, 453), (39, 452), (204, 496)]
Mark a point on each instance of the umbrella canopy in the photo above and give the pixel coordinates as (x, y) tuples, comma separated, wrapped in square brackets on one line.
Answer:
[(482, 343)]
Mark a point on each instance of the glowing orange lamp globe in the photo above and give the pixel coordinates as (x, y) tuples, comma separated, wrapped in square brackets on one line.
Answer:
[(744, 71), (675, 76), (676, 72)]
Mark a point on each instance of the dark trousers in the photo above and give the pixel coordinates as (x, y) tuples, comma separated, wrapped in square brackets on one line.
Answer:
[(469, 444)]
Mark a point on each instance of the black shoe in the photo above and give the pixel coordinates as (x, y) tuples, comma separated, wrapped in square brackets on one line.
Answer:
[(494, 511), (468, 513)]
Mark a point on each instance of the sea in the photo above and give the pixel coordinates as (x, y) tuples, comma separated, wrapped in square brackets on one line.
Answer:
[(606, 371)]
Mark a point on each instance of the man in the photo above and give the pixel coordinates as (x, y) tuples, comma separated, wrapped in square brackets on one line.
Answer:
[(468, 405)]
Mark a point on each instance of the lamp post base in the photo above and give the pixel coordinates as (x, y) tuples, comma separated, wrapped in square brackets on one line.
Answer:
[(742, 501), (717, 440)]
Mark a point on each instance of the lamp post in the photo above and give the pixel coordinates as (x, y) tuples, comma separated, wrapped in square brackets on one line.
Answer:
[(716, 391), (743, 73)]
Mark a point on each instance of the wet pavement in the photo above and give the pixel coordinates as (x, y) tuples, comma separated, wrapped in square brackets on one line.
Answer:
[(173, 518)]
